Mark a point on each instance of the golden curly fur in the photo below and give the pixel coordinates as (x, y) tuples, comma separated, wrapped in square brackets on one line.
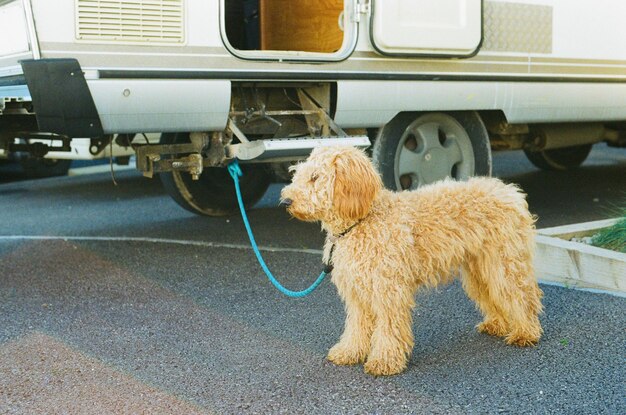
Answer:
[(397, 242)]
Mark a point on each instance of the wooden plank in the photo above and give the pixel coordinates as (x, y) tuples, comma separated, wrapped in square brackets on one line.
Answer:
[(301, 25), (580, 265), (577, 230)]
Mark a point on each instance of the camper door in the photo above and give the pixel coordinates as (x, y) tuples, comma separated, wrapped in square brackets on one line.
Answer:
[(289, 30), (426, 27)]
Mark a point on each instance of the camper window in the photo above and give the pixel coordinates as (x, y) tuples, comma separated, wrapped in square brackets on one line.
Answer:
[(270, 26)]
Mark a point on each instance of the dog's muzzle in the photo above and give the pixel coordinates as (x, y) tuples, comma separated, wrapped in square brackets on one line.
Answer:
[(285, 203)]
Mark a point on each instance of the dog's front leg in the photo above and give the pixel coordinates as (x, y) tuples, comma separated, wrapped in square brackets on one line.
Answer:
[(392, 340), (354, 343)]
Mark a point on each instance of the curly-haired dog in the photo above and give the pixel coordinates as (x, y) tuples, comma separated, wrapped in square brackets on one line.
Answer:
[(385, 245)]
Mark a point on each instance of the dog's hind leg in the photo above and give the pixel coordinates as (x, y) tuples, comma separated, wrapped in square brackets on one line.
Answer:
[(494, 322), (392, 340), (354, 343), (525, 306), (505, 290)]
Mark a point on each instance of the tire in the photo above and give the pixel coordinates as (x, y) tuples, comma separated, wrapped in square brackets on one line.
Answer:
[(415, 149), (213, 194), (35, 168), (559, 159)]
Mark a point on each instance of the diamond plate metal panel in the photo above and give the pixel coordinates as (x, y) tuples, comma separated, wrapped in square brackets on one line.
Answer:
[(516, 27)]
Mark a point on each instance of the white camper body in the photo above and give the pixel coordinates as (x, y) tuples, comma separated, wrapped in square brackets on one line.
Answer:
[(266, 80)]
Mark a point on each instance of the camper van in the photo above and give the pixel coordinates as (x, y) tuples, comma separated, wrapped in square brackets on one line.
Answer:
[(429, 87)]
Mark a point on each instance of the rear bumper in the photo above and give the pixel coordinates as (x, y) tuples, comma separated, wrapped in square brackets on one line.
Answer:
[(67, 103), (161, 105)]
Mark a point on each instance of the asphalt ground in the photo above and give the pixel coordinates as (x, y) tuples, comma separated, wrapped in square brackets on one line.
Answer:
[(115, 300)]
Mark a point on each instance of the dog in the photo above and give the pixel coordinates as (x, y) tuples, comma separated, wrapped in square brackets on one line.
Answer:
[(384, 246)]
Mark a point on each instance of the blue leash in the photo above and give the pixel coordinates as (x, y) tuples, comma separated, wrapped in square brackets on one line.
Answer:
[(235, 173)]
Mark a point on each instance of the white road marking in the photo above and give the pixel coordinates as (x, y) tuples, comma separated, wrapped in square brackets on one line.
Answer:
[(100, 168), (154, 240)]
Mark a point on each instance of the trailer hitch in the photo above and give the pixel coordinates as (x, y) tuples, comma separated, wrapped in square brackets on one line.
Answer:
[(204, 150)]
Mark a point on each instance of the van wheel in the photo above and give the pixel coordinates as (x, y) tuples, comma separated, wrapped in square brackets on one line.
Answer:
[(415, 149), (213, 194), (567, 158)]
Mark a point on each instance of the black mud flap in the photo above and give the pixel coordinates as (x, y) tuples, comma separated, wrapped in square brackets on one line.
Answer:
[(61, 98)]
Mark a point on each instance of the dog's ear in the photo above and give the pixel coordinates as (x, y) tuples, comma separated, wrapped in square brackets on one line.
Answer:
[(356, 185)]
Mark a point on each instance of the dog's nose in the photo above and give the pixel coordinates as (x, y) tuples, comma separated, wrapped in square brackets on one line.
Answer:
[(285, 203)]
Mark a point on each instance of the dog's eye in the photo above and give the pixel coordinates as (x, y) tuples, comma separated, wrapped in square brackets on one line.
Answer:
[(313, 178)]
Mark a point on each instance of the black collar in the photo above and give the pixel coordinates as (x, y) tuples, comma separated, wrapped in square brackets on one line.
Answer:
[(328, 267), (342, 234)]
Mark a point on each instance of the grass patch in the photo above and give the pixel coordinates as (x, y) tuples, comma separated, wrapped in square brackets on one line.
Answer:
[(613, 238)]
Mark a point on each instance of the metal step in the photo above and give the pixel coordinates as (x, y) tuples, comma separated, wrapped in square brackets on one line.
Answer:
[(285, 149)]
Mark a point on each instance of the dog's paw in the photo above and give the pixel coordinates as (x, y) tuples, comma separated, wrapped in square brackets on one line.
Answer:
[(521, 340), (384, 367), (341, 355), (492, 327), (525, 336)]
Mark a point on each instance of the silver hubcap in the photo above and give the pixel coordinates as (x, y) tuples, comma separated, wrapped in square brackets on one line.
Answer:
[(433, 147)]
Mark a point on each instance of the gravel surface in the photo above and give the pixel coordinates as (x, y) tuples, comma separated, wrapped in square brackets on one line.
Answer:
[(105, 326)]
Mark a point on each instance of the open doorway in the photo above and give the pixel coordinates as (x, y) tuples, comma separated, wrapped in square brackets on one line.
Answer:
[(261, 28)]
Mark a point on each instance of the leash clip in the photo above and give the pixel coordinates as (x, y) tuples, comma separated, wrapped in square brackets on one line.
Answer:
[(234, 169)]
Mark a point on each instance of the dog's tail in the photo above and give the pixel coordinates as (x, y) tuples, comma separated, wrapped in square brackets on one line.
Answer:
[(509, 195)]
